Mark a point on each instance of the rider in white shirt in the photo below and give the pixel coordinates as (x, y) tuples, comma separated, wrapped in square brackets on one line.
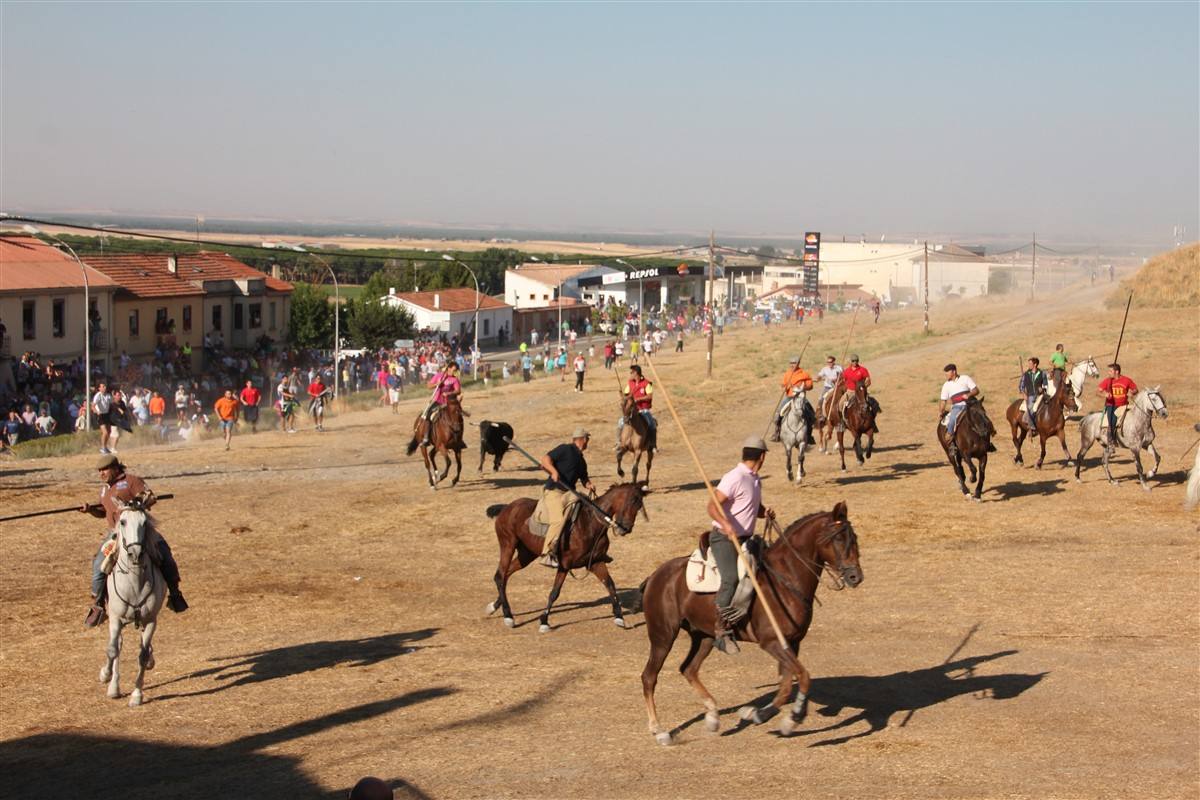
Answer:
[(956, 391), (829, 375)]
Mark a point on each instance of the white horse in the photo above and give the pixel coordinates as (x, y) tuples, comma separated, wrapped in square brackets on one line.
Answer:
[(793, 433), (135, 595), (1136, 433), (1076, 377)]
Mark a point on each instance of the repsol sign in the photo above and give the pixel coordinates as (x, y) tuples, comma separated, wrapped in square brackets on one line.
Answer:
[(639, 274)]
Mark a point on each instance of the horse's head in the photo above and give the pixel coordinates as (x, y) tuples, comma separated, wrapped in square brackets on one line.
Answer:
[(131, 530), (623, 502), (1070, 400), (837, 546), (1090, 367), (628, 406), (1157, 405)]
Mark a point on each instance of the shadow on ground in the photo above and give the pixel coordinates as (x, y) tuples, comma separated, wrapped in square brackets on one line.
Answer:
[(1008, 491), (878, 698), (99, 767), (890, 473), (284, 662)]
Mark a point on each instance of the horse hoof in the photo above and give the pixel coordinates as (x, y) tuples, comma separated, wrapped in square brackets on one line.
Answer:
[(105, 675), (113, 693), (976, 499), (543, 628), (490, 609), (150, 662), (663, 738), (135, 699), (619, 622), (787, 725), (712, 722), (750, 714), (509, 622)]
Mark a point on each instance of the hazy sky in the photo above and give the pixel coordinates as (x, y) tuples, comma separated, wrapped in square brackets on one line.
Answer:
[(1075, 120)]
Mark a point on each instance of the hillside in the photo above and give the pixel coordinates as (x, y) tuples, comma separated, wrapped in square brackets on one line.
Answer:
[(1169, 280)]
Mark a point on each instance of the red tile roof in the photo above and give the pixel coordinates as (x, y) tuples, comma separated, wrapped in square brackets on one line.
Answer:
[(451, 300), (147, 275), (29, 264)]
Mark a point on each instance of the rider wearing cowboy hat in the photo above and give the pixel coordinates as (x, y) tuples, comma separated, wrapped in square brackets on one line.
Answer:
[(121, 488)]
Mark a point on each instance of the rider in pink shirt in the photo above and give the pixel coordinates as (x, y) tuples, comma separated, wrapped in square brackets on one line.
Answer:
[(446, 386)]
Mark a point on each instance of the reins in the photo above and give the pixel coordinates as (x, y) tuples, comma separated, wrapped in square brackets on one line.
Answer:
[(836, 584)]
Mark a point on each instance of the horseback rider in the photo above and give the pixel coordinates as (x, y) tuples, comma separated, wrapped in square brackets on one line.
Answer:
[(739, 497), (795, 381), (567, 467), (1058, 359), (830, 374), (446, 386), (121, 488), (642, 392), (1031, 385), (1117, 390), (957, 391)]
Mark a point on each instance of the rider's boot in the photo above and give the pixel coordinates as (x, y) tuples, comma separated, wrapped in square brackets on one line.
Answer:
[(170, 571), (97, 612), (723, 635), (775, 430)]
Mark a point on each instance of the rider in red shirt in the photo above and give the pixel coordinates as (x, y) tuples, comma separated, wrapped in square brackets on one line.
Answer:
[(1117, 389), (642, 392), (855, 373)]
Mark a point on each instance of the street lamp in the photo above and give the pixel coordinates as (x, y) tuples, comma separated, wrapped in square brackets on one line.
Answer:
[(337, 310), (475, 353), (87, 322)]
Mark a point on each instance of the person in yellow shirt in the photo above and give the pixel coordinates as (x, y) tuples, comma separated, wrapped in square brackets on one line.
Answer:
[(795, 381)]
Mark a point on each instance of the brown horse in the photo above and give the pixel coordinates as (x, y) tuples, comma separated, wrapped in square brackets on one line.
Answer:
[(445, 438), (1051, 419), (859, 419), (973, 437), (584, 544), (789, 572), (636, 437), (831, 413)]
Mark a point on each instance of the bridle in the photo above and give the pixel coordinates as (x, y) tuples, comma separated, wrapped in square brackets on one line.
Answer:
[(841, 551), (146, 579)]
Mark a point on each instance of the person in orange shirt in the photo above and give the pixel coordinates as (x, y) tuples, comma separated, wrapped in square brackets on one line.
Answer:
[(227, 412), (158, 408), (795, 381)]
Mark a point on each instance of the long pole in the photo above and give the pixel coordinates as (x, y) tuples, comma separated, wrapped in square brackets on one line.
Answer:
[(1121, 338), (337, 319), (850, 333), (711, 322), (925, 280), (64, 510), (713, 496)]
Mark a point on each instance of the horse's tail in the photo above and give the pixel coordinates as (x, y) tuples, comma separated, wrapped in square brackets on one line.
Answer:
[(412, 446), (494, 510)]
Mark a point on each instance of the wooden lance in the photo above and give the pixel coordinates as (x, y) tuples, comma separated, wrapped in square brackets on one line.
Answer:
[(32, 514)]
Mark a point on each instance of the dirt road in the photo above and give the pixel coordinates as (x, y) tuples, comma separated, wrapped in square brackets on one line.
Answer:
[(1042, 643)]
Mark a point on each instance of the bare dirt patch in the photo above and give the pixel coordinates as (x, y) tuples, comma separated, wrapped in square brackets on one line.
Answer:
[(1040, 644)]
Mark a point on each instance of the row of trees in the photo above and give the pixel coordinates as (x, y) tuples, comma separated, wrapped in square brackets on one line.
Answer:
[(365, 322)]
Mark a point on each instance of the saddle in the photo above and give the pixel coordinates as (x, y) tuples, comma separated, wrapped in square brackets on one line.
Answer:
[(538, 523), (1037, 404), (703, 577)]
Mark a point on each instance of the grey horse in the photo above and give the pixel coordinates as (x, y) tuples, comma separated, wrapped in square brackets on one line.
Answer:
[(1136, 433), (793, 434), (135, 596)]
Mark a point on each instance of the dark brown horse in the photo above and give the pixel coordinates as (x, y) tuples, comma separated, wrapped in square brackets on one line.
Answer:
[(636, 437), (584, 544), (445, 438), (790, 570), (973, 437), (1051, 419), (858, 418)]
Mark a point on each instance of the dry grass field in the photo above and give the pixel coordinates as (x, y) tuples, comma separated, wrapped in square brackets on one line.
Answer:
[(1042, 643)]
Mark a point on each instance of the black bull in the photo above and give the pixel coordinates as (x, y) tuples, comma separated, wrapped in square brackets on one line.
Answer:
[(493, 440)]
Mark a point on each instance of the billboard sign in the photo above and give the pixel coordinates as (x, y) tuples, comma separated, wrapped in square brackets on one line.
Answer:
[(812, 262)]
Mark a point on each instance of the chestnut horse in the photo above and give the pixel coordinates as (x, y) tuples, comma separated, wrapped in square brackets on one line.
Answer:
[(973, 436), (789, 572), (584, 544), (636, 437), (859, 418), (1050, 419), (445, 438)]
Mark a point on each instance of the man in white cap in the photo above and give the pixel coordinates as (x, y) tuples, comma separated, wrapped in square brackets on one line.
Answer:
[(734, 512), (795, 382), (567, 468)]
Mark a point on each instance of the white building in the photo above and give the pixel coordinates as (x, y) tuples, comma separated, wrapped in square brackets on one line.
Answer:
[(953, 272), (452, 311), (537, 285)]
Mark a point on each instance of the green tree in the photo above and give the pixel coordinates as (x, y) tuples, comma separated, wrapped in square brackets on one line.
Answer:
[(373, 324), (311, 322)]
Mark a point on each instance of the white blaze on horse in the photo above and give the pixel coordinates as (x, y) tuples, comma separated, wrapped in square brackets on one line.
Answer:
[(1135, 433), (135, 596)]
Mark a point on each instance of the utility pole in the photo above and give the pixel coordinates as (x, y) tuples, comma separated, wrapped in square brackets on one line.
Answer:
[(926, 282), (1033, 270), (711, 303)]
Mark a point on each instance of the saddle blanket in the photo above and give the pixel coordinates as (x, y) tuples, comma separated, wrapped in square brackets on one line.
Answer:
[(1037, 404), (702, 574)]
